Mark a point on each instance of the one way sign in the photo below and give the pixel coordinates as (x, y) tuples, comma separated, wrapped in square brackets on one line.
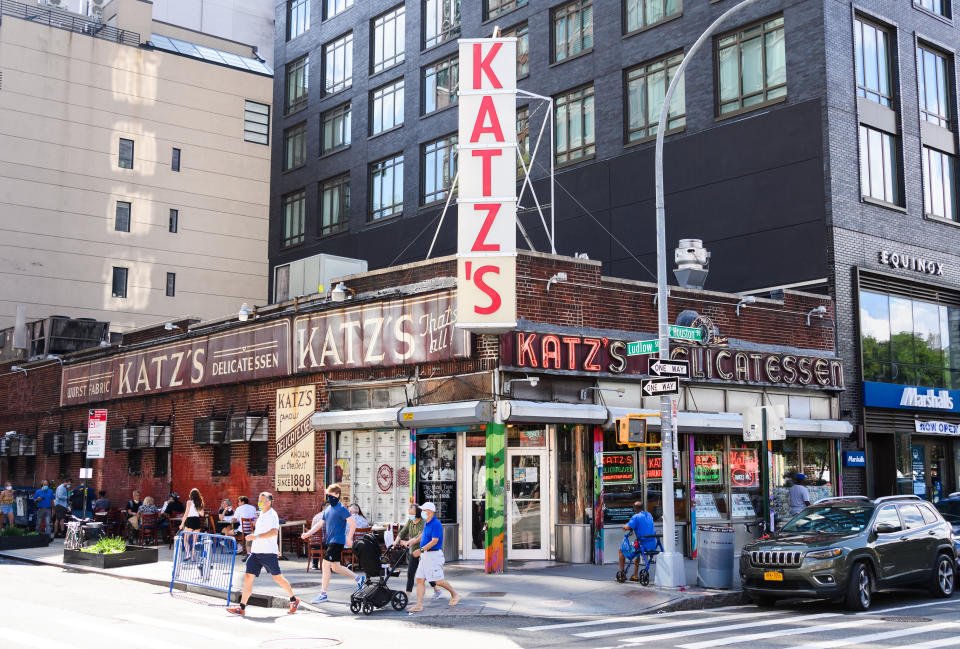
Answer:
[(659, 387), (680, 369)]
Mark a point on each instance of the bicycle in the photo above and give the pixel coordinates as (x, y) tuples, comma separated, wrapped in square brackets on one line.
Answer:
[(76, 536)]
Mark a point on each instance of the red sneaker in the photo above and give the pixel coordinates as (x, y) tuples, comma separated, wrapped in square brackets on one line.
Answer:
[(294, 605), (236, 610)]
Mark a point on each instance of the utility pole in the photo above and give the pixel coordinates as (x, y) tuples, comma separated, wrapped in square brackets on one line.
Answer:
[(670, 571)]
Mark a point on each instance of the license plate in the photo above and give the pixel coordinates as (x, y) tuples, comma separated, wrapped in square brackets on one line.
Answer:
[(773, 575)]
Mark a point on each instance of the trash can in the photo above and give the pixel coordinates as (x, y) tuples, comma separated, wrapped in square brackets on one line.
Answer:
[(714, 556), (93, 532), (573, 543)]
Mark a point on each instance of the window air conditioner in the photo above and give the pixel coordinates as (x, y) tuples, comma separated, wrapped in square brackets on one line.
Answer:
[(248, 428), (159, 436), (143, 436)]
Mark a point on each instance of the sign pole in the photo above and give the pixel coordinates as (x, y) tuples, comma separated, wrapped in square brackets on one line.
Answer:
[(765, 471)]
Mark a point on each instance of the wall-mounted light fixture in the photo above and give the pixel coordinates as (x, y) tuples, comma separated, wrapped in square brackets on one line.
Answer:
[(585, 392), (339, 292), (534, 381), (749, 299), (557, 277), (244, 314), (169, 326), (817, 311), (17, 368)]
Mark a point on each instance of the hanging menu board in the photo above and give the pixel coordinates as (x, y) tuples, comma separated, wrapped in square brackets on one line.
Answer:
[(437, 474), (620, 468)]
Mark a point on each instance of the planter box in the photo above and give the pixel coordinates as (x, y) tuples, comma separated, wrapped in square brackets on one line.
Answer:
[(134, 556), (23, 542)]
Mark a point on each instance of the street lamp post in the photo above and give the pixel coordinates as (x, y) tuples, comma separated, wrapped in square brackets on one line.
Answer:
[(670, 570)]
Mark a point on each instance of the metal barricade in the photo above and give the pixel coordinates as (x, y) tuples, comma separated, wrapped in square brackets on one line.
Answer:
[(205, 560)]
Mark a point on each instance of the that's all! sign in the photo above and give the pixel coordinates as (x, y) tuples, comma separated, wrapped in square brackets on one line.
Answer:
[(487, 197)]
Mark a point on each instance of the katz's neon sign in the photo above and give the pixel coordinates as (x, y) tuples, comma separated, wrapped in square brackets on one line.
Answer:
[(487, 201)]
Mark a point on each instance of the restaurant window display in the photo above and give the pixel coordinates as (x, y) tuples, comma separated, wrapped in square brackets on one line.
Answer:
[(708, 477), (373, 469), (437, 474), (812, 457), (575, 474)]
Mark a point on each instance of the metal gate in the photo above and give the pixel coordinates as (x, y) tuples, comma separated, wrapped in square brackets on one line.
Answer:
[(205, 560)]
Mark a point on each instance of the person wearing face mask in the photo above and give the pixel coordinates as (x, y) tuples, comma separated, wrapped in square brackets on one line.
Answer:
[(408, 537), (7, 500), (340, 527), (430, 554), (44, 499)]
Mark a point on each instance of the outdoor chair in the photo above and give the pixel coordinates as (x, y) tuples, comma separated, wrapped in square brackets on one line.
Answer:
[(246, 527), (314, 548), (148, 529), (347, 557)]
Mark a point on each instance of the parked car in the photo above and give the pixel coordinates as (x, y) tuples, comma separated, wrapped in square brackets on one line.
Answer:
[(949, 508), (845, 549)]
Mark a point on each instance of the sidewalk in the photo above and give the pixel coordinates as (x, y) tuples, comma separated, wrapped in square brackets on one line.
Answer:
[(540, 589)]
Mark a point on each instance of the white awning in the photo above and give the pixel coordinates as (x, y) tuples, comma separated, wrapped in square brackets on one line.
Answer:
[(356, 419), (732, 423), (458, 413), (542, 412)]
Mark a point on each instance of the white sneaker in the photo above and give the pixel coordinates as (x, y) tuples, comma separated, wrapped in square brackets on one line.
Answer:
[(436, 595)]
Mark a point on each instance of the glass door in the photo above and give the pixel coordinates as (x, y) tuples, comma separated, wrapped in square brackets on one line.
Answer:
[(475, 529), (527, 505)]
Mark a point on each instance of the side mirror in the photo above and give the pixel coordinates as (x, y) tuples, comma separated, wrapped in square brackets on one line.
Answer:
[(886, 528)]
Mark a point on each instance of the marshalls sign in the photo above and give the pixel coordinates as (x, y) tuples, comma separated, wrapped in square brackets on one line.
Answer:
[(487, 202)]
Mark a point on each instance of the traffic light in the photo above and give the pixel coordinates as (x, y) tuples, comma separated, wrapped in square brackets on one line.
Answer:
[(632, 431)]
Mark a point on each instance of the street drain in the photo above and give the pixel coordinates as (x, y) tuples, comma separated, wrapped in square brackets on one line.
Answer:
[(907, 620), (306, 584), (487, 594), (300, 643)]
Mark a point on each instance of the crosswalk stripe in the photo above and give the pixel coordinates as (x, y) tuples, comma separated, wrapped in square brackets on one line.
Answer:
[(728, 627), (935, 644), (942, 602), (203, 632), (886, 635), (778, 633), (99, 628), (670, 625), (609, 620), (32, 640)]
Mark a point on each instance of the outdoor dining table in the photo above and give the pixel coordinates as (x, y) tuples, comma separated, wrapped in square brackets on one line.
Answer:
[(293, 529)]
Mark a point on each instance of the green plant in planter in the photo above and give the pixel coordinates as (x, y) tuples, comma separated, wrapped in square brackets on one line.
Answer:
[(15, 531), (114, 545)]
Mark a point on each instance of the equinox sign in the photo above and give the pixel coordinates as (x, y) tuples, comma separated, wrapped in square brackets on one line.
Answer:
[(487, 202)]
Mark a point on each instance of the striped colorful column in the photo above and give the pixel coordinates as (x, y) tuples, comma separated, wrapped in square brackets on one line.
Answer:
[(598, 495), (495, 501)]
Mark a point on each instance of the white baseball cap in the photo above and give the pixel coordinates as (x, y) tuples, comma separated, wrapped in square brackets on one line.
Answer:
[(430, 507)]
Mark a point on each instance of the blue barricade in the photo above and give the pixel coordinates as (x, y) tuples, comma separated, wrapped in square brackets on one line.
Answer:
[(205, 560)]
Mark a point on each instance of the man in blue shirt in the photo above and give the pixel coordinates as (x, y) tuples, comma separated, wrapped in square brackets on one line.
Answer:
[(340, 527), (44, 499), (430, 554), (641, 524)]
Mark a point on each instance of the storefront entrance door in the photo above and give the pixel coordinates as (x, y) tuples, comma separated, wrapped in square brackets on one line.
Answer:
[(474, 505), (527, 505)]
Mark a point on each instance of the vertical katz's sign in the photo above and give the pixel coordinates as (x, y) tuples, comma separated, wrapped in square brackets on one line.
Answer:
[(487, 201), (295, 465)]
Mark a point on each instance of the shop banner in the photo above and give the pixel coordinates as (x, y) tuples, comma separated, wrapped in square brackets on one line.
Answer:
[(620, 468), (295, 439), (392, 332), (247, 354), (569, 354), (910, 397)]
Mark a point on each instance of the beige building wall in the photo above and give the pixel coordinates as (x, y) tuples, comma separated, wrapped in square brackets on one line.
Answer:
[(66, 101)]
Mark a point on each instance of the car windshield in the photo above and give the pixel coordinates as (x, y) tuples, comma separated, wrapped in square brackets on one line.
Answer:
[(830, 519), (950, 510)]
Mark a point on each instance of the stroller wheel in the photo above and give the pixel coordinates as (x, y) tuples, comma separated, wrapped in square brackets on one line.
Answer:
[(367, 608), (621, 576), (399, 601), (355, 606), (644, 577)]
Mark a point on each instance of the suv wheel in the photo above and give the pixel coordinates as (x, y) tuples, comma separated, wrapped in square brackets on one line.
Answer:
[(944, 577), (859, 588)]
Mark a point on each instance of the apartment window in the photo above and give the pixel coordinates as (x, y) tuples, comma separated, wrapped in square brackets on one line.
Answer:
[(493, 8), (175, 160), (171, 284), (298, 77), (439, 168), (281, 284), (334, 204), (333, 7), (933, 76), (646, 87), (939, 184), (879, 175), (440, 84), (258, 458), (874, 78), (121, 222), (941, 7), (752, 67), (336, 128), (386, 188), (388, 42), (386, 107), (294, 213), (135, 462), (298, 17), (295, 146), (221, 459), (161, 462), (574, 125), (119, 281), (572, 29), (522, 34), (441, 21), (174, 224), (256, 122), (523, 137), (126, 154), (338, 64), (639, 14)]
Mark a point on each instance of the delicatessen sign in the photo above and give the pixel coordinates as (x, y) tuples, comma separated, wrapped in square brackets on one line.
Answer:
[(295, 439)]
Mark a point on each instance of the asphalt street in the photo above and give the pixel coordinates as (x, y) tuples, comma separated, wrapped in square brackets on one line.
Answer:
[(51, 608)]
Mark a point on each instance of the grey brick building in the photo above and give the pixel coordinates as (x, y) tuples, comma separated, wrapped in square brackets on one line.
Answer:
[(797, 165)]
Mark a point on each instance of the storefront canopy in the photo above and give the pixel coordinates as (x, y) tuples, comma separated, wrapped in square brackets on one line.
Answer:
[(732, 422)]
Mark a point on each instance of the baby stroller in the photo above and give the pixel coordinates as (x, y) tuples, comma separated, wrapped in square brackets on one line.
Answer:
[(376, 593), (633, 552)]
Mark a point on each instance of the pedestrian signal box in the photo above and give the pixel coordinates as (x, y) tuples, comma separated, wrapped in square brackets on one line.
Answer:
[(632, 431)]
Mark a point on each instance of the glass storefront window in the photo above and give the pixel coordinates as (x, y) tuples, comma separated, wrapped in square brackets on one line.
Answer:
[(785, 465), (709, 477), (816, 466), (812, 457), (575, 474), (745, 479), (523, 436), (621, 492)]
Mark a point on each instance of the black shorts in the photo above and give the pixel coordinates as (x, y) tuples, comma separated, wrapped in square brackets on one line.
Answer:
[(268, 561), (193, 523), (60, 511), (334, 552)]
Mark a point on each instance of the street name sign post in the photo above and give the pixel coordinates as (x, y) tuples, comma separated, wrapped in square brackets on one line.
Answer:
[(693, 334), (641, 347)]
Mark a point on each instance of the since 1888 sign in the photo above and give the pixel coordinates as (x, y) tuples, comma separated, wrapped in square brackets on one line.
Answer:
[(487, 202)]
